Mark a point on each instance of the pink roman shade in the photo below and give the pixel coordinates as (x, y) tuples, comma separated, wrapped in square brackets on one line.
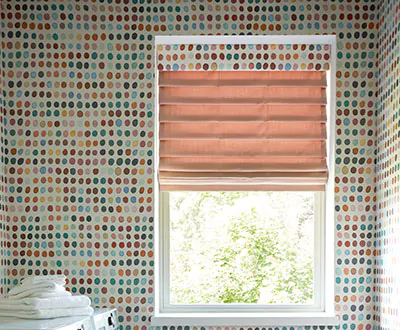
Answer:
[(242, 130)]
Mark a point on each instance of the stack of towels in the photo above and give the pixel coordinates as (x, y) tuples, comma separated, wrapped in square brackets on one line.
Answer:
[(43, 297)]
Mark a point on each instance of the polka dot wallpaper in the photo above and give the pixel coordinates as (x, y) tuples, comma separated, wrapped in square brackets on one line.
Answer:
[(243, 57), (3, 220), (78, 95), (388, 194)]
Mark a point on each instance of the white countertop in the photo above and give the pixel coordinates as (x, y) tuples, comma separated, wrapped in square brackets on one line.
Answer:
[(64, 323)]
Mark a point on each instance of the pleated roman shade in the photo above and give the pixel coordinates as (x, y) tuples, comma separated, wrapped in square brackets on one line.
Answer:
[(242, 130)]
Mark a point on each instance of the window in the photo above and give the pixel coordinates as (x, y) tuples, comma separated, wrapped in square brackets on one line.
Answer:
[(242, 229), (243, 247)]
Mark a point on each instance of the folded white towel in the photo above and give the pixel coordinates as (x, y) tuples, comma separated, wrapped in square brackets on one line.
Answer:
[(48, 294), (44, 303), (57, 279), (54, 290), (24, 287), (48, 313)]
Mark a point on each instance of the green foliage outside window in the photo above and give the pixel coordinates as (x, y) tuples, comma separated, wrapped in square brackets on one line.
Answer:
[(242, 247)]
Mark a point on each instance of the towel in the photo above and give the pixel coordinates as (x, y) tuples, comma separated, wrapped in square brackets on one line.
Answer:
[(54, 291), (49, 294), (28, 304), (45, 286), (56, 279), (48, 313)]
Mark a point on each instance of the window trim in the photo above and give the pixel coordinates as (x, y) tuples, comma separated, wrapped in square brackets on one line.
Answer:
[(271, 318), (245, 319)]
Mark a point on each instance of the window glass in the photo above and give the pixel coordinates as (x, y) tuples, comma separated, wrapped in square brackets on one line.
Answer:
[(242, 247)]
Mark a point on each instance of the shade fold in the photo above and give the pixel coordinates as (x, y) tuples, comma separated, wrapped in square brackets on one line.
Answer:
[(249, 113), (248, 148), (242, 130), (243, 78), (252, 95), (242, 164), (242, 187)]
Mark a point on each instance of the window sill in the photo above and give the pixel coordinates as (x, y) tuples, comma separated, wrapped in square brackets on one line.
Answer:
[(244, 319)]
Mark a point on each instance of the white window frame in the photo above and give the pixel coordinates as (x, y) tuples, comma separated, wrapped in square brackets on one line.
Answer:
[(321, 312)]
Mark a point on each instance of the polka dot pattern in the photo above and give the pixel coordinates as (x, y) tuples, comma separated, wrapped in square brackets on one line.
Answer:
[(388, 169), (243, 57), (78, 130), (4, 239)]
